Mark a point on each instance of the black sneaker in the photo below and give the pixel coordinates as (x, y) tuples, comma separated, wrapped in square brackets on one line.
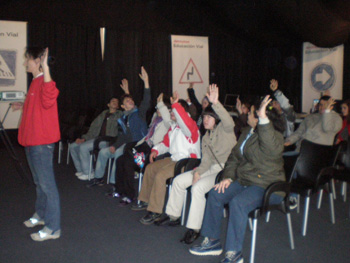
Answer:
[(140, 206), (190, 236), (95, 181), (150, 218)]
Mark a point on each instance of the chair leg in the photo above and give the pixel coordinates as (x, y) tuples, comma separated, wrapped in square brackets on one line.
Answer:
[(68, 153), (140, 185), (344, 187), (250, 221), (306, 214), (319, 200), (331, 204), (184, 209), (59, 151), (333, 189), (90, 168), (109, 169), (290, 230), (268, 216), (298, 204), (252, 250)]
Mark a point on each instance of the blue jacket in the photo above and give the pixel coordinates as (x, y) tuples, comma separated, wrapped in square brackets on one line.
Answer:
[(136, 124)]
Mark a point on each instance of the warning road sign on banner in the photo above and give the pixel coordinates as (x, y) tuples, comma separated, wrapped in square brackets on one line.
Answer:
[(191, 74), (5, 72)]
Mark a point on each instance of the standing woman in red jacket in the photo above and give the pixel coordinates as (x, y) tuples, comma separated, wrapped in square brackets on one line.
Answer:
[(38, 131)]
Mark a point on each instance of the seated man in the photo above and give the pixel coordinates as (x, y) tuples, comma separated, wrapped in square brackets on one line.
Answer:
[(181, 141), (254, 163), (281, 104), (105, 124), (126, 165), (217, 144), (133, 127), (318, 127)]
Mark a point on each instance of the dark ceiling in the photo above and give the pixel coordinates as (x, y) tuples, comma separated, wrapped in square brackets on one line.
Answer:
[(274, 22)]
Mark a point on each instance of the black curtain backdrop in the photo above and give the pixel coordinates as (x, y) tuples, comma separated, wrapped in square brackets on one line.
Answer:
[(77, 69), (237, 65)]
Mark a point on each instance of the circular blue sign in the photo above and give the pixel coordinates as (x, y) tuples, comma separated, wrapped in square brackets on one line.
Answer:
[(322, 77)]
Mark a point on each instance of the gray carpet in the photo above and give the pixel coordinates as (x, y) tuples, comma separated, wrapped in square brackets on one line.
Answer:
[(96, 229)]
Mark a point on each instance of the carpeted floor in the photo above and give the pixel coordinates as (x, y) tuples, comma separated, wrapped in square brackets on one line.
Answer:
[(96, 229)]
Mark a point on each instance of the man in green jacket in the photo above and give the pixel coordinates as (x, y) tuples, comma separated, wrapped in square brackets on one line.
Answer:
[(105, 124)]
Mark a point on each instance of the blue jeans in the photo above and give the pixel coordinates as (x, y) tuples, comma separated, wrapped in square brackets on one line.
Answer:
[(102, 159), (81, 154), (241, 200), (47, 205)]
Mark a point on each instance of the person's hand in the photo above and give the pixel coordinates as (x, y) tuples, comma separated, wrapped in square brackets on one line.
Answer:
[(330, 104), (191, 85), (16, 105), (152, 156), (239, 105), (112, 149), (160, 98), (44, 58), (125, 86), (196, 178), (220, 187), (287, 143), (144, 76), (79, 141), (262, 110), (273, 85), (174, 98), (213, 94)]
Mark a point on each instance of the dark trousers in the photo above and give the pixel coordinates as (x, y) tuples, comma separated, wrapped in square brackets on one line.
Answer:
[(126, 168)]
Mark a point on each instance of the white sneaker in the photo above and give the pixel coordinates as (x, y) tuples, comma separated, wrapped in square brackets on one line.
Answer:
[(45, 234), (32, 222), (85, 177), (78, 174)]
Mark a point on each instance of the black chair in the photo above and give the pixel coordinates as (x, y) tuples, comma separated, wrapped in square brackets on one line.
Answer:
[(181, 166), (311, 173), (266, 208), (342, 174), (94, 154)]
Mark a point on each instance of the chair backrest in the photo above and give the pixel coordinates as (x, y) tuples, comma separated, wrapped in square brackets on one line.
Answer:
[(313, 158)]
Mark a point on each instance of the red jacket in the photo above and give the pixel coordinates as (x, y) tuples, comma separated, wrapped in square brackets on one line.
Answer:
[(39, 124)]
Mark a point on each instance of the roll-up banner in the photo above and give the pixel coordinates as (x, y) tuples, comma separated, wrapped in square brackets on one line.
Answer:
[(13, 76), (190, 64), (322, 73)]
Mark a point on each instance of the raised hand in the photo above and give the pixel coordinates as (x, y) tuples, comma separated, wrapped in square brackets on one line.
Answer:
[(262, 110), (144, 76), (125, 86), (191, 85), (273, 84), (330, 104), (44, 58), (160, 98), (174, 98), (213, 94)]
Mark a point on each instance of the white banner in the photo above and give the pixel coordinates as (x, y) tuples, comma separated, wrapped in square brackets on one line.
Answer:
[(322, 73), (13, 76), (190, 64)]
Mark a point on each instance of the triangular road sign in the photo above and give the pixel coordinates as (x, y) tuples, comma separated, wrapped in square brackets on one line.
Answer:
[(191, 74), (5, 72)]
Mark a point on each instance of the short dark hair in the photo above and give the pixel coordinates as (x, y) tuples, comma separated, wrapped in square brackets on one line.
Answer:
[(111, 98), (184, 104), (123, 97), (278, 122), (37, 52), (325, 97)]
